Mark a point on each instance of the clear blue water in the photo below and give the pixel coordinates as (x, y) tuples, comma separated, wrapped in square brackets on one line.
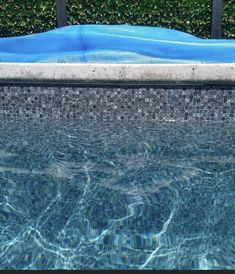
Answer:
[(117, 195)]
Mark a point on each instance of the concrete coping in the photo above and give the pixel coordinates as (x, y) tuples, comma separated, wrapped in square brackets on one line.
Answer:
[(168, 74)]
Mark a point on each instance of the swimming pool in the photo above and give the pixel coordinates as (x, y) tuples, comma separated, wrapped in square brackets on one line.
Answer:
[(117, 177), (123, 159)]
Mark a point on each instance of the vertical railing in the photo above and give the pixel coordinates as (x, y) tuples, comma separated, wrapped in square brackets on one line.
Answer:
[(61, 13), (216, 19)]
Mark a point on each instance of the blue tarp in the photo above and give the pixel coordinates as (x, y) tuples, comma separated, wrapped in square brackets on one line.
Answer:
[(115, 44)]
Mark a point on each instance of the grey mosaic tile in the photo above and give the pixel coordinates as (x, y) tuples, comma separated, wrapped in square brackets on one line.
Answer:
[(132, 103)]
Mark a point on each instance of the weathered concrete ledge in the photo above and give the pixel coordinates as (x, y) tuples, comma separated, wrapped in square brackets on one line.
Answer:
[(118, 73)]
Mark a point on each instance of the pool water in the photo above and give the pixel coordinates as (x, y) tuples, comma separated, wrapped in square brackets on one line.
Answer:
[(117, 195)]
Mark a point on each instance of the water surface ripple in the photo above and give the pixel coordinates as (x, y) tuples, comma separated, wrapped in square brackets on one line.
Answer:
[(117, 195)]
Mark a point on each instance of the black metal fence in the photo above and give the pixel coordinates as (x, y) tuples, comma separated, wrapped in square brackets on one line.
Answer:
[(61, 13), (215, 18)]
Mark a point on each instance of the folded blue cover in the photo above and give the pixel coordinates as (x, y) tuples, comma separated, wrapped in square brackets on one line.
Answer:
[(115, 44)]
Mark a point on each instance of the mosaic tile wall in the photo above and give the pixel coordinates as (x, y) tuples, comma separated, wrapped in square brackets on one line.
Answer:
[(150, 103)]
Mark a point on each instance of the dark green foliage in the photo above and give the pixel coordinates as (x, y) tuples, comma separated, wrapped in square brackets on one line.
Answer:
[(228, 19), (19, 17)]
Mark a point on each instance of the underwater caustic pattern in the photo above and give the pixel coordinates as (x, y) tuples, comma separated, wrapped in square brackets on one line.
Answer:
[(115, 195), (115, 44)]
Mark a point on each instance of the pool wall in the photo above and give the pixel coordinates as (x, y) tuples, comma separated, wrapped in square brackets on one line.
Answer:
[(134, 92)]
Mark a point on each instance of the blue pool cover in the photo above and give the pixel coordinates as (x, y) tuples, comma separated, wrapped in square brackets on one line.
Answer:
[(115, 44)]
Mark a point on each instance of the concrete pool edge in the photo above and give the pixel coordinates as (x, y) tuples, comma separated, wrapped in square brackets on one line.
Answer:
[(167, 74)]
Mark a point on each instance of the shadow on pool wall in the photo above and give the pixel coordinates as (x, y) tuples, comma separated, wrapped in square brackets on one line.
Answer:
[(115, 44)]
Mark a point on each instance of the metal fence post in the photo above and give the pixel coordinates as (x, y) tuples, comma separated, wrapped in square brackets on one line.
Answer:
[(216, 19), (61, 13)]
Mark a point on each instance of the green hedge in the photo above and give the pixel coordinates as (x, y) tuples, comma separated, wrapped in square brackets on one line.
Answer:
[(18, 17), (228, 19)]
